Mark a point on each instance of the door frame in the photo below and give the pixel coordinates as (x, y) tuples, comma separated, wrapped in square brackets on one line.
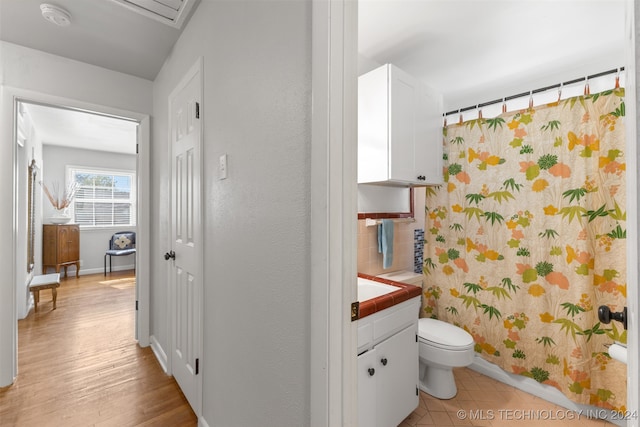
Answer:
[(632, 128), (8, 322), (333, 399), (197, 69)]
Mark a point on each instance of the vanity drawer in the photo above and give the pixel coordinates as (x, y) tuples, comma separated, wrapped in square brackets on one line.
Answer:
[(395, 318), (382, 324)]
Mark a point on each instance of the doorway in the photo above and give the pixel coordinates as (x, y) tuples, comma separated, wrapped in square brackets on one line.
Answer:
[(92, 157), (460, 99), (142, 169)]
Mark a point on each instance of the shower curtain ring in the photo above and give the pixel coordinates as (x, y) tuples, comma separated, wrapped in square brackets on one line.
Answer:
[(504, 105), (479, 111), (617, 79), (560, 92), (444, 124), (460, 119), (587, 91), (530, 99)]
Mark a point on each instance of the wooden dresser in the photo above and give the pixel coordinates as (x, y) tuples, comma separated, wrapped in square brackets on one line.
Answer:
[(61, 247)]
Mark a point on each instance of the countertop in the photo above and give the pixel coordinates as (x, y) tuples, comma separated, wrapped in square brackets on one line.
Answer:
[(404, 293)]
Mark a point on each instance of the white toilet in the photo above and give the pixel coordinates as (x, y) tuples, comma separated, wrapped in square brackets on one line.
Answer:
[(442, 347)]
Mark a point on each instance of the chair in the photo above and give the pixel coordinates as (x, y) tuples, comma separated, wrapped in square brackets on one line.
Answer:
[(121, 243)]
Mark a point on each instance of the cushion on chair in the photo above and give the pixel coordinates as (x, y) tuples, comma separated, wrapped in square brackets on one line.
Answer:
[(118, 252)]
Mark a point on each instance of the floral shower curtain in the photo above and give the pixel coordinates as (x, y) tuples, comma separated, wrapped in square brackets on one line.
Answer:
[(526, 239)]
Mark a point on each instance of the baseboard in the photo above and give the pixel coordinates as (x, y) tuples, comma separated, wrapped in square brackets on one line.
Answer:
[(30, 305), (159, 353), (202, 422), (543, 391), (87, 271)]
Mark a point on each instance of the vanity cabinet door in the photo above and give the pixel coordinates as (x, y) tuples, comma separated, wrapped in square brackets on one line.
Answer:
[(367, 373), (396, 372)]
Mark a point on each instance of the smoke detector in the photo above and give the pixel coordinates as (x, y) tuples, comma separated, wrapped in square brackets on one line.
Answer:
[(55, 15)]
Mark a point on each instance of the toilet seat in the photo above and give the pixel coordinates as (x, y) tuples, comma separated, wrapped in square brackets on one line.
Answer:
[(444, 335)]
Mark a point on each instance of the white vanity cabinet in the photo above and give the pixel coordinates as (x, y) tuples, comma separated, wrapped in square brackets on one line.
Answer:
[(388, 365), (399, 129)]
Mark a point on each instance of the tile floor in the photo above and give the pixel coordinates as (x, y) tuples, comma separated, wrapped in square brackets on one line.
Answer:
[(483, 401)]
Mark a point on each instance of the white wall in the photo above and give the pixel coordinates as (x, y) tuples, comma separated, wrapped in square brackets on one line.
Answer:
[(32, 150), (93, 242), (33, 73), (257, 79)]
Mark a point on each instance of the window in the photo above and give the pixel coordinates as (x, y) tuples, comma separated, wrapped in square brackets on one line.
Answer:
[(104, 197)]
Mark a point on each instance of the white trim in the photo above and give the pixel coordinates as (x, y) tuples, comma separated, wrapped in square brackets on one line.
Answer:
[(202, 422), (100, 270), (160, 354), (632, 127), (543, 391), (8, 217), (143, 233), (8, 323), (333, 213), (150, 7)]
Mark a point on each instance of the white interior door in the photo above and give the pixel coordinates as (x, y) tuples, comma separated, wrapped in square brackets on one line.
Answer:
[(186, 236)]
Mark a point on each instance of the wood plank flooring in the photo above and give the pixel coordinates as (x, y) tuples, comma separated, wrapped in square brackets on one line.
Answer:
[(79, 365)]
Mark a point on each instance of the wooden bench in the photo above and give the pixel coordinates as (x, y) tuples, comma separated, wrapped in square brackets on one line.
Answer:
[(45, 281)]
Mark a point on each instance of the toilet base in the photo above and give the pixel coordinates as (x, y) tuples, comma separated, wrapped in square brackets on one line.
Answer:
[(437, 382)]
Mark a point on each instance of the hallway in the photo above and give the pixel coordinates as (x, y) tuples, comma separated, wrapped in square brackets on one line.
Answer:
[(79, 365)]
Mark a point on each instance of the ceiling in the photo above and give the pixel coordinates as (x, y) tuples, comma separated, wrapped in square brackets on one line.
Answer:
[(471, 51), (113, 34), (77, 129)]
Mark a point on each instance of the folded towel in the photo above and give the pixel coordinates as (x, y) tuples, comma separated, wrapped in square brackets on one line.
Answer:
[(385, 242)]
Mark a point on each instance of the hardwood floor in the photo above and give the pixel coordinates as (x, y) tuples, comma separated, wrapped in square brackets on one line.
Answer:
[(79, 365)]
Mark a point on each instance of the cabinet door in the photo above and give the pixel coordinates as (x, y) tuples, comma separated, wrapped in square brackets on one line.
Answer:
[(68, 242), (396, 373), (403, 121), (49, 245), (428, 149), (74, 243), (367, 389), (373, 126)]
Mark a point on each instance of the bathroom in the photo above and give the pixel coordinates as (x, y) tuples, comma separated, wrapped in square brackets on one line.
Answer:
[(418, 221)]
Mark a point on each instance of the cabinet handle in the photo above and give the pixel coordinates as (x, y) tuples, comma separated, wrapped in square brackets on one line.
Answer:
[(371, 371), (422, 178), (384, 361)]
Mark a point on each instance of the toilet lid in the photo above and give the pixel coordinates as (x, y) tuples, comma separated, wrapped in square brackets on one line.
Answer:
[(443, 334)]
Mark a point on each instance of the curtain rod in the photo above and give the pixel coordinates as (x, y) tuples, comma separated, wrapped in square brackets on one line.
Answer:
[(543, 89)]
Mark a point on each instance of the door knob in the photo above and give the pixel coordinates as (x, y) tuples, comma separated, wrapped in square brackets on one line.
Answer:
[(384, 361), (170, 255), (371, 372), (605, 315)]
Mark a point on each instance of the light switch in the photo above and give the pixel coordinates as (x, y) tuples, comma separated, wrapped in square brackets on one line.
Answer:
[(223, 166)]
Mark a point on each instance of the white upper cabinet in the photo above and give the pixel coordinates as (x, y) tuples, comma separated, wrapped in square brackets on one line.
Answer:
[(399, 130)]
